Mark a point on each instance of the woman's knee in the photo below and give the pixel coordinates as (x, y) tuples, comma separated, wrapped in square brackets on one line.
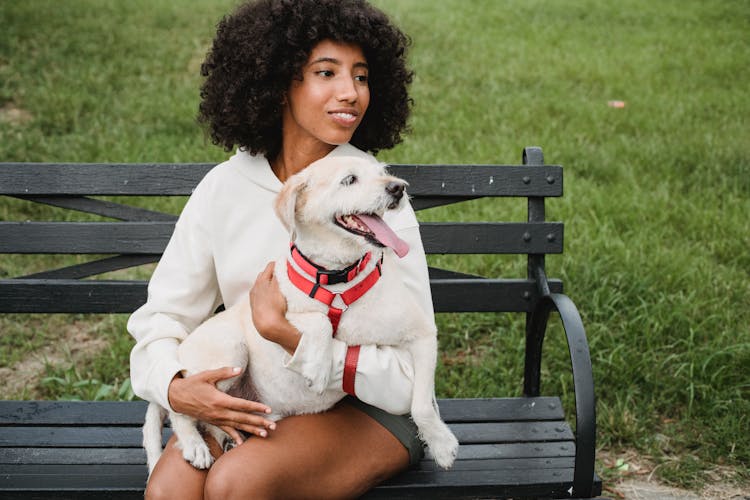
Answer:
[(157, 489), (229, 479)]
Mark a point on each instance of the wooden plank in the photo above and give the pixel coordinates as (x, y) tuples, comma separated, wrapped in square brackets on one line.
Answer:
[(486, 295), (100, 179), (130, 437), (509, 463), (94, 268), (72, 412), (511, 432), (72, 456), (152, 237), (492, 237), (112, 296), (484, 483), (74, 476), (83, 413), (101, 207), (501, 409), (85, 237), (435, 484), (134, 493), (73, 437), (515, 450), (71, 296), (481, 180), (180, 179), (138, 455)]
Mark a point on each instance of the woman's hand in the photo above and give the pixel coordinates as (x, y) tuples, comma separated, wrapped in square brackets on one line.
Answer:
[(198, 397), (268, 306)]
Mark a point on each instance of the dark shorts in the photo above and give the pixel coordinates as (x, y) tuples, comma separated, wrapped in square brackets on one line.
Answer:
[(401, 426)]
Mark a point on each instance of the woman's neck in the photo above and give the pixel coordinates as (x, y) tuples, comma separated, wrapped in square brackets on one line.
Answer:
[(293, 159)]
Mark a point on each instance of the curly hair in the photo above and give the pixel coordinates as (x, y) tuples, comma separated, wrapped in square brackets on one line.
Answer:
[(260, 48)]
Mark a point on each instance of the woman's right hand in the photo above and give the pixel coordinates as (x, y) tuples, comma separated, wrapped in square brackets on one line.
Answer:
[(198, 397)]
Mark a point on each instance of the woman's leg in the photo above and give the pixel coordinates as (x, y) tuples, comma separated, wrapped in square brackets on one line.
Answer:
[(173, 477), (337, 454)]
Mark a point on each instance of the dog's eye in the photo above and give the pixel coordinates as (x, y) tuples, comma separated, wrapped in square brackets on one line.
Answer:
[(348, 180)]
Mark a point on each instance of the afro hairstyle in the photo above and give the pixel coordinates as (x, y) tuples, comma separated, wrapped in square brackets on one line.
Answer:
[(260, 48)]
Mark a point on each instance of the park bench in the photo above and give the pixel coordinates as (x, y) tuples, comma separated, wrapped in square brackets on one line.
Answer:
[(510, 446)]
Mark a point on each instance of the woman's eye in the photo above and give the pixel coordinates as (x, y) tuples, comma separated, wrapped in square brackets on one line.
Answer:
[(361, 78), (348, 180), (325, 72)]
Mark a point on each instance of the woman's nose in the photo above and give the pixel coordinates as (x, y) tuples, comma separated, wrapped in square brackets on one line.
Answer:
[(346, 91)]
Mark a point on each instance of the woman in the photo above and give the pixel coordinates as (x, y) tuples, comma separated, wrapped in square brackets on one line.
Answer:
[(287, 82)]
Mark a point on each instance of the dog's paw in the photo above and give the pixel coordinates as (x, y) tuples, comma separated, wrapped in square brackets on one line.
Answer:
[(444, 450), (197, 454)]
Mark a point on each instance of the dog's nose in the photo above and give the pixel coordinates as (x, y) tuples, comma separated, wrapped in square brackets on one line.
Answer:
[(395, 189)]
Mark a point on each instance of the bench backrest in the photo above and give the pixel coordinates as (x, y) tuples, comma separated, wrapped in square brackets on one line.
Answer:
[(138, 236)]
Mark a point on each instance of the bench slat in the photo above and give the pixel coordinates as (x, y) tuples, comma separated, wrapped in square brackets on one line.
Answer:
[(101, 207), (70, 413), (57, 455), (152, 237), (435, 484), (547, 483), (129, 437), (180, 179), (109, 296), (101, 179)]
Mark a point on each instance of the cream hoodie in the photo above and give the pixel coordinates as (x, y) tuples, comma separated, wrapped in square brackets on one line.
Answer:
[(226, 234)]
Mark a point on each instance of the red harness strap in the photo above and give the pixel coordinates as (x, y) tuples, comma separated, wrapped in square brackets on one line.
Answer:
[(327, 297)]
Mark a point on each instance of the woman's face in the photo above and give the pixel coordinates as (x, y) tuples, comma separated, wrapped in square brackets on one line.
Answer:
[(330, 100)]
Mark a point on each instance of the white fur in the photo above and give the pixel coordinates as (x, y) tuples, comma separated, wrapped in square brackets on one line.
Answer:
[(385, 315)]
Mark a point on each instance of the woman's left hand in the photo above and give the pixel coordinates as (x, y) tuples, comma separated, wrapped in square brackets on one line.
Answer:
[(269, 307)]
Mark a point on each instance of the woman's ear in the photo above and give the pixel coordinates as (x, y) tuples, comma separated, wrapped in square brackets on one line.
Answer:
[(286, 201)]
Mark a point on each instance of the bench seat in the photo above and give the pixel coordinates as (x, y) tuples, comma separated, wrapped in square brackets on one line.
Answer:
[(85, 449)]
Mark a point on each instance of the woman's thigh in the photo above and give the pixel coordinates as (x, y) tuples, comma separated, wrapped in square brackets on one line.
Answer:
[(337, 454), (173, 477)]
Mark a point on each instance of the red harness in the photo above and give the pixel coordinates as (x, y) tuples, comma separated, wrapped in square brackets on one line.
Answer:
[(314, 290), (324, 276)]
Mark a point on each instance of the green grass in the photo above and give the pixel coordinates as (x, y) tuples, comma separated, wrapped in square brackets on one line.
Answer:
[(657, 194)]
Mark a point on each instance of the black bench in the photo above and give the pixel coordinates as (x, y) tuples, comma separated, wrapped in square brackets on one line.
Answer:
[(510, 447)]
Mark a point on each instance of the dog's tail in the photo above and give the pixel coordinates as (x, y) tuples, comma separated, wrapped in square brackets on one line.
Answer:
[(152, 427)]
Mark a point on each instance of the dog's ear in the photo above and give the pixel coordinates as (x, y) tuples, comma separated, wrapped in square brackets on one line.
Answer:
[(286, 201)]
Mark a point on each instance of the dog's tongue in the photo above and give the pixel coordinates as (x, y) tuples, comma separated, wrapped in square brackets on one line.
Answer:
[(384, 234)]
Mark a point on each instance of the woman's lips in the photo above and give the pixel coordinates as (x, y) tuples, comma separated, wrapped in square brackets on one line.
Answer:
[(345, 118)]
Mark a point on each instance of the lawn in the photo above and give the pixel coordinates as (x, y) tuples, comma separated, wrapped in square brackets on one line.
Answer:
[(657, 193)]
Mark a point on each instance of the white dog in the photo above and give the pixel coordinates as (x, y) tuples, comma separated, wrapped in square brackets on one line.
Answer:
[(332, 210)]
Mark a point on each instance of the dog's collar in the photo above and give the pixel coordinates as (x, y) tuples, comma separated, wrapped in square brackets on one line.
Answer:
[(317, 292), (325, 276)]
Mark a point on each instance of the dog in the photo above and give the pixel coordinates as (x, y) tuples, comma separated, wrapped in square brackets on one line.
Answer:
[(332, 210)]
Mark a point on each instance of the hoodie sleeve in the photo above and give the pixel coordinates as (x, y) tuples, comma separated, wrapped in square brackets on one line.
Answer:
[(182, 293)]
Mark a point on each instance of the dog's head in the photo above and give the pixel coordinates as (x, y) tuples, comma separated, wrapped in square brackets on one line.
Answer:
[(336, 205)]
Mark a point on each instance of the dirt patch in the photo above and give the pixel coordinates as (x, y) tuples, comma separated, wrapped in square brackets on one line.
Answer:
[(14, 115), (634, 479), (77, 342)]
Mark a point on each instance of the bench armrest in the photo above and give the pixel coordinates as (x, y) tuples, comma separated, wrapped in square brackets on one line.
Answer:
[(583, 380)]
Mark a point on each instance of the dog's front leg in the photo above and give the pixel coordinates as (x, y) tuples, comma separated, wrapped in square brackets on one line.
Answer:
[(314, 354), (189, 440), (432, 430)]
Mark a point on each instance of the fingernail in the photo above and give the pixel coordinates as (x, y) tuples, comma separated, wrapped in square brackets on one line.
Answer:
[(272, 426), (263, 433), (268, 410), (236, 369)]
